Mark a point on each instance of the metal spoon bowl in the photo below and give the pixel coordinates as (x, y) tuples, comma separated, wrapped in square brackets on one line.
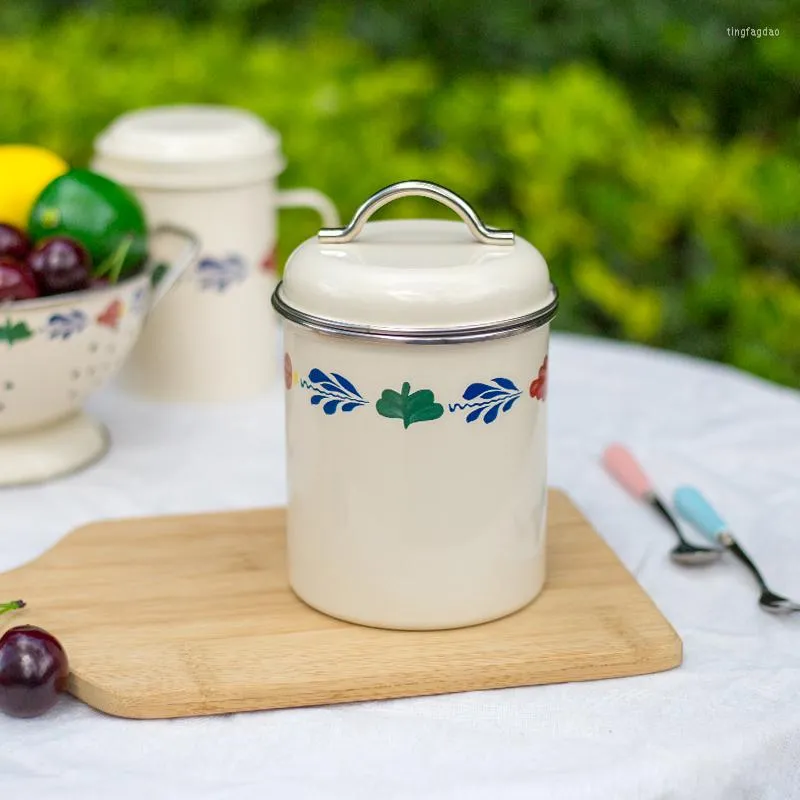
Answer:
[(768, 600), (775, 604), (687, 554), (684, 553), (693, 507)]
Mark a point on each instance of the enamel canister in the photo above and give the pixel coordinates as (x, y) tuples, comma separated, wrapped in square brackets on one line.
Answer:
[(214, 171), (416, 395)]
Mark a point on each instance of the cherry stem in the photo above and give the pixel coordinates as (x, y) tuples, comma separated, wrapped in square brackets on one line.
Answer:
[(12, 606)]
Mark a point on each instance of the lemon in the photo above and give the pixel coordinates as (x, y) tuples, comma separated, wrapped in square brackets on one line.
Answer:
[(24, 171)]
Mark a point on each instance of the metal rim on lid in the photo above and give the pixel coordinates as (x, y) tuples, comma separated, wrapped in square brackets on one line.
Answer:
[(471, 333), (404, 335)]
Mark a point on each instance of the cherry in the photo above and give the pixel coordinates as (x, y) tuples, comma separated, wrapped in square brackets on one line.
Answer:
[(33, 670), (60, 265), (16, 280), (13, 242)]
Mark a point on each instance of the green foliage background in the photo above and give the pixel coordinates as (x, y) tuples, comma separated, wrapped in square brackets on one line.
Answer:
[(652, 158)]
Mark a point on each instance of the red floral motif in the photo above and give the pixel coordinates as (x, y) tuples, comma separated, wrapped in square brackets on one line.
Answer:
[(112, 315), (270, 261), (539, 383), (288, 373)]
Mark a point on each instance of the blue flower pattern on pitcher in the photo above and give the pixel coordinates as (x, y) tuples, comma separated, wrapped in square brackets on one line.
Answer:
[(333, 392), (217, 274), (485, 401), (62, 326)]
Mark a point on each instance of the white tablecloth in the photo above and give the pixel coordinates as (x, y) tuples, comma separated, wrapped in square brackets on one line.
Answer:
[(725, 725)]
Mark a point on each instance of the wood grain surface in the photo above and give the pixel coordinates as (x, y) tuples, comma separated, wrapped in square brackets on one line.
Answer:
[(192, 615)]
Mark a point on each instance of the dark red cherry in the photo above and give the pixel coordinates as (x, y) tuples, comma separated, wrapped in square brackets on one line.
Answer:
[(60, 265), (13, 242), (16, 280), (33, 671)]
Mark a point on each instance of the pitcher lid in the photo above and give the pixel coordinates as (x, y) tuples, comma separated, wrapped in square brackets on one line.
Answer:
[(417, 280), (191, 145)]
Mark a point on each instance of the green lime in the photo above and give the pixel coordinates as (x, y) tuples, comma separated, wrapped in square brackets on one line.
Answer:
[(102, 215)]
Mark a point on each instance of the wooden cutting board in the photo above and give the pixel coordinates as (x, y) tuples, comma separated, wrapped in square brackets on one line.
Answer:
[(192, 615)]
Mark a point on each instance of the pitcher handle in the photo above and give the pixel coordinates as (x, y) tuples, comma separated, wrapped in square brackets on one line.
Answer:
[(310, 198), (163, 277)]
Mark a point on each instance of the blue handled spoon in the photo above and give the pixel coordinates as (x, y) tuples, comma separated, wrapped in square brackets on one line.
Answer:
[(694, 508)]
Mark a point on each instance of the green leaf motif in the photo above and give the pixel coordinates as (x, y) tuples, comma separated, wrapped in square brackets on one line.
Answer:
[(419, 406), (14, 332), (158, 274)]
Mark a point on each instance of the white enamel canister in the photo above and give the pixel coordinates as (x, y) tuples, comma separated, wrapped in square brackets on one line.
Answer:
[(212, 170), (416, 377)]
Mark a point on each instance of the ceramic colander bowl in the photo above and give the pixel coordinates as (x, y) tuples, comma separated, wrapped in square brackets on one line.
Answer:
[(55, 351)]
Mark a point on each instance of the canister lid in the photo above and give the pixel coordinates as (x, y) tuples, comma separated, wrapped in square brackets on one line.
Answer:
[(188, 146), (420, 280)]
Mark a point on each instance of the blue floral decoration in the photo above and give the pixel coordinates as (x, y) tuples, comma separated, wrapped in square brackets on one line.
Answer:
[(139, 301), (486, 401), (334, 392), (62, 326), (217, 274)]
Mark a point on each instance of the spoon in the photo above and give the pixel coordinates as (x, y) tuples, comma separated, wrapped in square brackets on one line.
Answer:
[(694, 508), (622, 465)]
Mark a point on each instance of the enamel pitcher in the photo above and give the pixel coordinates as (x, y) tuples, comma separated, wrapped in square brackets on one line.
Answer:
[(212, 170)]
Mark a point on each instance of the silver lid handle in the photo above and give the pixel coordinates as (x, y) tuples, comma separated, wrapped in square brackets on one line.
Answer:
[(421, 189)]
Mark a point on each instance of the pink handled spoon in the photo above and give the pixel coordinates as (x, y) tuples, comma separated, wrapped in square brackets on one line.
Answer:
[(621, 464)]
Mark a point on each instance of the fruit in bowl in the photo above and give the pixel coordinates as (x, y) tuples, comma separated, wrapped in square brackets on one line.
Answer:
[(97, 212), (54, 351), (84, 230), (74, 291)]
